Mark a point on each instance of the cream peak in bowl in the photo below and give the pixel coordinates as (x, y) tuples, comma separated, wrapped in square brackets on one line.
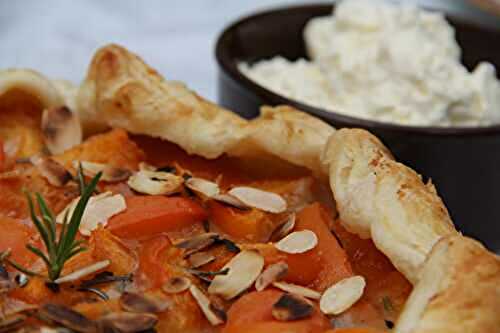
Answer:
[(391, 63)]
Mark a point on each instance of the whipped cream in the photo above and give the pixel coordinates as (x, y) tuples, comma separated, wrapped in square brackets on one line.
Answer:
[(387, 62), (300, 80)]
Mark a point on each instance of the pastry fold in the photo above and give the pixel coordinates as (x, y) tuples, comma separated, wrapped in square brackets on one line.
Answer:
[(32, 84), (459, 291), (382, 199), (120, 90)]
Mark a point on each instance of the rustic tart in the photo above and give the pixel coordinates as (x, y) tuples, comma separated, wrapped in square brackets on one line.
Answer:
[(131, 204)]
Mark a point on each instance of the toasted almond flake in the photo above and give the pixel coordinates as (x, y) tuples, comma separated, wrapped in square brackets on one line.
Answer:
[(284, 228), (263, 200), (78, 274), (202, 186), (99, 209), (197, 243), (230, 200), (72, 205), (115, 174), (143, 166), (176, 285), (127, 322), (67, 317), (61, 129), (271, 274), (204, 304), (292, 307), (12, 323), (298, 290), (134, 302), (206, 275), (342, 295), (155, 182), (12, 306), (90, 169), (51, 170), (244, 268), (109, 172), (298, 242), (199, 259)]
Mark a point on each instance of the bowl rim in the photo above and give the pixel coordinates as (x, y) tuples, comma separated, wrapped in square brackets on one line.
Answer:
[(229, 67)]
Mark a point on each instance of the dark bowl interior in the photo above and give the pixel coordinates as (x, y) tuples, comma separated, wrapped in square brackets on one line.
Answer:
[(462, 162)]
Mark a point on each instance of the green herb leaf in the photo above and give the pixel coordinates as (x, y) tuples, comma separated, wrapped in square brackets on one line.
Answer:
[(20, 268), (63, 229), (59, 250), (77, 215), (47, 216), (39, 253)]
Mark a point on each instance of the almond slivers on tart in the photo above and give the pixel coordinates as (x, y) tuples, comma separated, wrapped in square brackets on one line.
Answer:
[(154, 209)]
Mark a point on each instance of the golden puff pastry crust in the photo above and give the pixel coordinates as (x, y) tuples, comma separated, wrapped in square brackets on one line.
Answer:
[(291, 135), (31, 83), (382, 199), (459, 291), (120, 90), (26, 98)]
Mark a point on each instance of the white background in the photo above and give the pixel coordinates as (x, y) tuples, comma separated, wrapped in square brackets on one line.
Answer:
[(176, 37)]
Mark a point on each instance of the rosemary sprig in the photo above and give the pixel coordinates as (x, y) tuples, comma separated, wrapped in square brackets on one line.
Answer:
[(60, 249)]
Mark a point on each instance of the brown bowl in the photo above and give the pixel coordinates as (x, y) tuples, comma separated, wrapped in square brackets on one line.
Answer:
[(463, 162)]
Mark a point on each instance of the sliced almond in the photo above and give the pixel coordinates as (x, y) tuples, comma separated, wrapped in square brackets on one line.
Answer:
[(51, 170), (263, 200), (134, 302), (197, 243), (204, 304), (176, 285), (11, 323), (98, 212), (284, 228), (72, 205), (114, 174), (202, 186), (99, 209), (292, 307), (143, 166), (77, 275), (68, 210), (244, 268), (342, 295), (155, 182), (67, 317), (272, 273), (127, 322), (61, 129), (199, 259), (297, 290), (298, 242), (230, 200), (109, 172)]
